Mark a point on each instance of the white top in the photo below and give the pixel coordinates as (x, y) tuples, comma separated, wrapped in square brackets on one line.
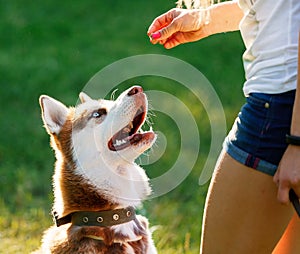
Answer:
[(270, 31)]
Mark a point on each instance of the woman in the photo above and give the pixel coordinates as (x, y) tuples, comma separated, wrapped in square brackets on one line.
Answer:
[(242, 213)]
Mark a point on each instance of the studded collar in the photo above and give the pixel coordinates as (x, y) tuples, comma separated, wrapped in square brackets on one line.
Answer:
[(101, 219)]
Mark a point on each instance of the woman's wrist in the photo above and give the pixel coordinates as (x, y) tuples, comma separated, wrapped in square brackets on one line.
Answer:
[(295, 130), (292, 139)]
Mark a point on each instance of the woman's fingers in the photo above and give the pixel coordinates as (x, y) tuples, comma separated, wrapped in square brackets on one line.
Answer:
[(161, 22), (283, 192)]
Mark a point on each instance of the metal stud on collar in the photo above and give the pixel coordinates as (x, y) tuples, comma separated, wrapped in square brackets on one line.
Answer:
[(116, 216), (99, 219)]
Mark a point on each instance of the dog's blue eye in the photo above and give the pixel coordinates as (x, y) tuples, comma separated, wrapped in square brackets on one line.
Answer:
[(95, 115), (99, 113)]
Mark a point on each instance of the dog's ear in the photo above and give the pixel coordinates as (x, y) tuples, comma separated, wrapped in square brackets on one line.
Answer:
[(54, 114), (84, 97)]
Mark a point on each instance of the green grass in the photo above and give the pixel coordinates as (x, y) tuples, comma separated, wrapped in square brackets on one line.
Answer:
[(54, 48)]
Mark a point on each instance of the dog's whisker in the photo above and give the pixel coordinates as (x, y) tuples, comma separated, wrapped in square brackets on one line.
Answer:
[(112, 96)]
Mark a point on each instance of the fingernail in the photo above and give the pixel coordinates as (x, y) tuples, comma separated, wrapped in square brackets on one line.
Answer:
[(156, 35)]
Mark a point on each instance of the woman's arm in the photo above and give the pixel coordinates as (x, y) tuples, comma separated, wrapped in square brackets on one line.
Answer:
[(295, 126), (288, 174), (179, 26), (225, 17)]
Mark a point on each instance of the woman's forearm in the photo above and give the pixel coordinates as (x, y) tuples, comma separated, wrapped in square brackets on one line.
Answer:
[(295, 126), (225, 17)]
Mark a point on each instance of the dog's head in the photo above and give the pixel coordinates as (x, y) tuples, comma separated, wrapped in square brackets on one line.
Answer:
[(101, 139), (114, 126)]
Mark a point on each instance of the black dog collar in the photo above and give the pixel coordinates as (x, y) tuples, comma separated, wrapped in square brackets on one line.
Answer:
[(100, 219)]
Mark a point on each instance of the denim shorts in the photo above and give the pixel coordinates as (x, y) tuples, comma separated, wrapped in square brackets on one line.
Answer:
[(257, 138)]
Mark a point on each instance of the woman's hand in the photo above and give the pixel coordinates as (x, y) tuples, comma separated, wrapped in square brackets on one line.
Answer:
[(288, 174), (178, 26)]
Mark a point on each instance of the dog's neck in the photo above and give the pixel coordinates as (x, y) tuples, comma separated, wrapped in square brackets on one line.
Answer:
[(74, 192)]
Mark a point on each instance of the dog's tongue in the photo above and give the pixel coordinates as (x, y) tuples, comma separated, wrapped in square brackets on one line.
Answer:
[(136, 138)]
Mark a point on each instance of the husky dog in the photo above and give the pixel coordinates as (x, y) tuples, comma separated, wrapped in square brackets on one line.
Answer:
[(96, 183)]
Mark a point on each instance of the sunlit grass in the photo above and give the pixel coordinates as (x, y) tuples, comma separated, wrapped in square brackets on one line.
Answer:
[(21, 231)]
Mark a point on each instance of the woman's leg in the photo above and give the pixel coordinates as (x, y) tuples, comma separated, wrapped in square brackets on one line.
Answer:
[(290, 241), (242, 214)]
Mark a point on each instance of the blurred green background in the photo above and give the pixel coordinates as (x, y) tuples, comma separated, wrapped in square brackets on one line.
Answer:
[(55, 47)]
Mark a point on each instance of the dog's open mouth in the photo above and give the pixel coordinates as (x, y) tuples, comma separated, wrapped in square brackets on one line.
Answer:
[(131, 134)]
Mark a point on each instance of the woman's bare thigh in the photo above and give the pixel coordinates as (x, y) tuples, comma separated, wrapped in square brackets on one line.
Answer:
[(242, 214)]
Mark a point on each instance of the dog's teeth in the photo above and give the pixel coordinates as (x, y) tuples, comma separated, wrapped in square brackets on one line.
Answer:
[(150, 129), (120, 142), (130, 125)]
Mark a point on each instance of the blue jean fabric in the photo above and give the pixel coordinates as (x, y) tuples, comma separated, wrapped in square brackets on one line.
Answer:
[(257, 138)]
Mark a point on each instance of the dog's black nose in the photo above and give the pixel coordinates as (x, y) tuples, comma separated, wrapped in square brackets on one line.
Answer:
[(134, 90)]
